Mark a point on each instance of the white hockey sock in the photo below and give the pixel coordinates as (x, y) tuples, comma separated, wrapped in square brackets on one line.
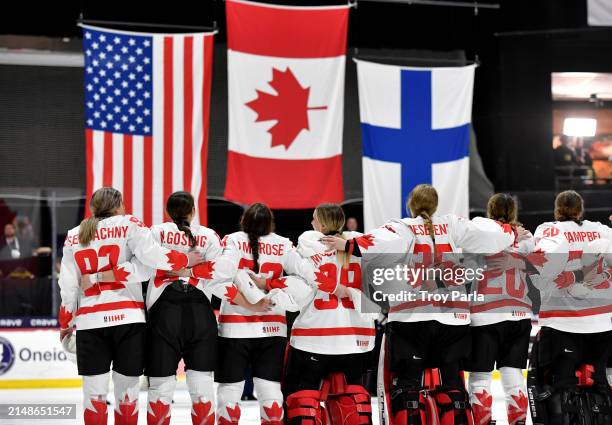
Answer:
[(270, 399), (127, 389), (516, 394), (95, 389), (481, 399), (202, 392), (228, 398), (161, 390)]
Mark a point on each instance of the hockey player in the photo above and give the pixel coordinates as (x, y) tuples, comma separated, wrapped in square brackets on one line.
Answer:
[(427, 333), (254, 339), (330, 339), (501, 324), (109, 316), (576, 322)]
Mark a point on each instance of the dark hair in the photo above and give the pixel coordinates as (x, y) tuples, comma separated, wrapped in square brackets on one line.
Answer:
[(502, 207), (569, 206), (423, 202), (257, 221), (179, 206)]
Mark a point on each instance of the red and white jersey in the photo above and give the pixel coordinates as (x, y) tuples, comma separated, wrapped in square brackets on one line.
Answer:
[(453, 234), (504, 291), (276, 256), (328, 324), (209, 278), (568, 305), (117, 240)]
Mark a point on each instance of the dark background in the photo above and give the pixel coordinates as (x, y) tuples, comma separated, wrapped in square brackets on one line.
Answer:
[(518, 46)]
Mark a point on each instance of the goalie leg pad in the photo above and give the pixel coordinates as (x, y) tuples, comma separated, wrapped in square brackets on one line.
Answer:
[(228, 397), (202, 392), (126, 398), (304, 408), (453, 406), (161, 390), (348, 404), (479, 385), (597, 405), (270, 399), (95, 388), (411, 406)]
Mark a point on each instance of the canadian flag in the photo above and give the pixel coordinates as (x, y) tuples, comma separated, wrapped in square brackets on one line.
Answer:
[(286, 97)]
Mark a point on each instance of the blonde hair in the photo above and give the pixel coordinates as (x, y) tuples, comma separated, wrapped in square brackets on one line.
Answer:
[(569, 206), (103, 204), (331, 217), (423, 202)]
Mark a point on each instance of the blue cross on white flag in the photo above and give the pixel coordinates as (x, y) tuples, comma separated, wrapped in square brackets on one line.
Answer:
[(416, 129)]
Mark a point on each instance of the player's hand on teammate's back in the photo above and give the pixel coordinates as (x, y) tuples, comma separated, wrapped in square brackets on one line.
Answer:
[(184, 272), (194, 258), (333, 243)]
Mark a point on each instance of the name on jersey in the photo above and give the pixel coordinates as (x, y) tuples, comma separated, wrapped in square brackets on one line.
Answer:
[(422, 230), (551, 232), (276, 249), (103, 233), (180, 238)]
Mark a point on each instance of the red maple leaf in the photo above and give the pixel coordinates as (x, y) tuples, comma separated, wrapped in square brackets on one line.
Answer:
[(325, 282), (121, 274), (127, 413), (274, 414), (288, 107), (230, 292), (97, 416), (564, 280), (278, 283), (365, 241), (518, 410), (64, 317), (159, 413), (483, 409), (537, 258), (177, 260), (201, 414), (234, 416), (204, 270)]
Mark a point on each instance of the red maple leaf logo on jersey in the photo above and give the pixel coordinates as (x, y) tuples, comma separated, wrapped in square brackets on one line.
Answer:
[(288, 107), (365, 242), (274, 413), (518, 410), (537, 258), (159, 413), (64, 317), (234, 416), (230, 292), (278, 283), (204, 270), (483, 409), (201, 414), (177, 260), (121, 274)]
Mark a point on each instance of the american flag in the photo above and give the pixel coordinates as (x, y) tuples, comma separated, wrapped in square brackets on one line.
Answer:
[(147, 102)]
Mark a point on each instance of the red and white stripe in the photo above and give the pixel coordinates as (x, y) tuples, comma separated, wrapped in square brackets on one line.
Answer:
[(147, 169)]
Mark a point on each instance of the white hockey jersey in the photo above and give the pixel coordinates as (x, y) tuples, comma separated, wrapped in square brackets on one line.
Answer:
[(210, 276), (328, 324), (277, 256), (504, 291), (568, 305), (453, 234), (116, 241)]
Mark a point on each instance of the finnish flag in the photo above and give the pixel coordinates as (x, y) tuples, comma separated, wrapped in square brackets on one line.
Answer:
[(415, 126)]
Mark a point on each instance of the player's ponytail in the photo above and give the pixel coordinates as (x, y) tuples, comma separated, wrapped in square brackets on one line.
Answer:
[(423, 202), (569, 206), (105, 202), (257, 221), (502, 207), (180, 208), (331, 218)]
